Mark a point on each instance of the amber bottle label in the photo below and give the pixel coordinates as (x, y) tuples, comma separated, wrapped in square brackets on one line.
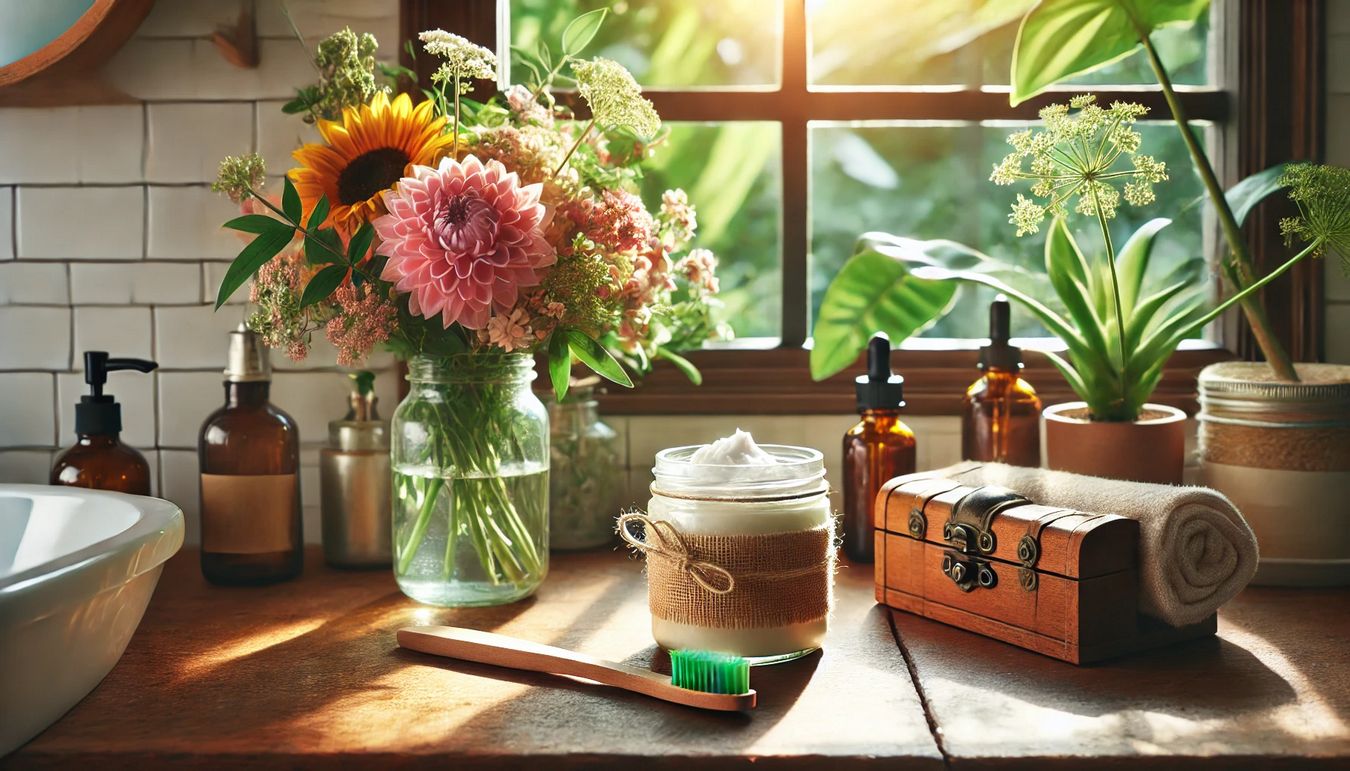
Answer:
[(252, 514)]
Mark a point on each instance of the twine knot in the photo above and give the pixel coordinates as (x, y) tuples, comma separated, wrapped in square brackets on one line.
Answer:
[(669, 543)]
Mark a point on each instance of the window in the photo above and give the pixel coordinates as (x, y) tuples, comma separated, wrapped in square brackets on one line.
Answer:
[(798, 124)]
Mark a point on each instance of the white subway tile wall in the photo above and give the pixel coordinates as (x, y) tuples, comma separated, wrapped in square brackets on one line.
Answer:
[(110, 239)]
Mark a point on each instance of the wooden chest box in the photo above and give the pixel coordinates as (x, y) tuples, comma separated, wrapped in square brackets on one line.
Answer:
[(1059, 582)]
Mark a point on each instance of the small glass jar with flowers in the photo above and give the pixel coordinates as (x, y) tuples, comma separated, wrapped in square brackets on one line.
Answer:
[(469, 237)]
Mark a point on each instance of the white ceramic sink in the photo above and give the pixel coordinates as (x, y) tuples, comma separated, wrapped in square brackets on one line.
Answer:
[(77, 568)]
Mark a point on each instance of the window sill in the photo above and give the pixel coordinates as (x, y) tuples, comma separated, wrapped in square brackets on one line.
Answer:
[(777, 381)]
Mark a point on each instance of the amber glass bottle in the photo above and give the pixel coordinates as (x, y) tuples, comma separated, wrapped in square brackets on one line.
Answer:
[(1001, 413), (877, 449), (249, 453), (98, 459)]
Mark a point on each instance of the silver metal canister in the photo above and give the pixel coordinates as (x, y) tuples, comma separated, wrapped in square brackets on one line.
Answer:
[(354, 488)]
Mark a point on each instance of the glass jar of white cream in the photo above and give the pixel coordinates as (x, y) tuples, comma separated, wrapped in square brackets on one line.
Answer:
[(739, 545)]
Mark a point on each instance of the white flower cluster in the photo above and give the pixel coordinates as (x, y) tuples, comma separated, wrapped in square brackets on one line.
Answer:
[(464, 60), (614, 96)]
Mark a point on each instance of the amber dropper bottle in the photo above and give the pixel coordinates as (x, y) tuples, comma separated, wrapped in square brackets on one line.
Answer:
[(98, 458), (877, 449), (1001, 413), (249, 453)]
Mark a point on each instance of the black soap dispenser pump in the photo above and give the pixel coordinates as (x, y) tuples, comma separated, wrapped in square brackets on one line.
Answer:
[(99, 459)]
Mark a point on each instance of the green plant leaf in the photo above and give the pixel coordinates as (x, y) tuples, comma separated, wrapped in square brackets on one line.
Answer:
[(682, 364), (1245, 195), (872, 293), (323, 284), (316, 254), (290, 200), (1067, 270), (360, 243), (594, 355), (1060, 39), (253, 256), (559, 363), (256, 223), (581, 31), (319, 214), (1132, 262)]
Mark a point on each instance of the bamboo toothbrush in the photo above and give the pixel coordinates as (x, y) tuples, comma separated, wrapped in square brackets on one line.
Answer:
[(699, 679)]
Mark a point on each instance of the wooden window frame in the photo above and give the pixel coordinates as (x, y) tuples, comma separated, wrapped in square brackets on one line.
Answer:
[(1277, 53)]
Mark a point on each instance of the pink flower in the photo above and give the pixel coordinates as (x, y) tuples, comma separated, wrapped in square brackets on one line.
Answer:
[(617, 220), (509, 331), (555, 310), (363, 321), (463, 239)]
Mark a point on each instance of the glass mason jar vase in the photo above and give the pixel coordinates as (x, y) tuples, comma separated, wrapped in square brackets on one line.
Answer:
[(470, 463), (586, 473)]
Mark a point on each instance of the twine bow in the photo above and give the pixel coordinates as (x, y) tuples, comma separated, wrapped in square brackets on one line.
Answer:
[(670, 544)]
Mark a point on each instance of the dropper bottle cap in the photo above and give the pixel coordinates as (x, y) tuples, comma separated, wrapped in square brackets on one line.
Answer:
[(1000, 354), (98, 413), (879, 389)]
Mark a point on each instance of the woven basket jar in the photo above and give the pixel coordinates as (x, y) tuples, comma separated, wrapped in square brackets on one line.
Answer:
[(1281, 452)]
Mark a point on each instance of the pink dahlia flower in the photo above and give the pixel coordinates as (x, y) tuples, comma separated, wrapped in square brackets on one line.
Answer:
[(463, 239)]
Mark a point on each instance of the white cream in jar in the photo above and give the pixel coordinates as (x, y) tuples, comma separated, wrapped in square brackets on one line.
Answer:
[(735, 487)]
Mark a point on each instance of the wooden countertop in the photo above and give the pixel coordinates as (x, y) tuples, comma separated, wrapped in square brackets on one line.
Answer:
[(307, 674)]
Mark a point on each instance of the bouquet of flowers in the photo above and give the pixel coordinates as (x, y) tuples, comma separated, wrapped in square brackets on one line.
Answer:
[(472, 235)]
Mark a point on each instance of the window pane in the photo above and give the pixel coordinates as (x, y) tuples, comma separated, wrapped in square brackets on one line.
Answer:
[(667, 43), (961, 42), (731, 172), (932, 181)]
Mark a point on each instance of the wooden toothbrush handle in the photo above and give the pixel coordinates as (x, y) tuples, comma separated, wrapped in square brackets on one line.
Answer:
[(503, 651)]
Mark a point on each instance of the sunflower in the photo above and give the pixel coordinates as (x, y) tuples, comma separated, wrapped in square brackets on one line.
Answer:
[(365, 154)]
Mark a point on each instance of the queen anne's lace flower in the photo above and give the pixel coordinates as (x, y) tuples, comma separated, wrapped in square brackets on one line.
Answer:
[(464, 60), (1322, 194), (614, 96), (1072, 162), (463, 239)]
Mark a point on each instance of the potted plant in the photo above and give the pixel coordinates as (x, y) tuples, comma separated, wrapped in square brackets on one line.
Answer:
[(1274, 436), (1284, 466)]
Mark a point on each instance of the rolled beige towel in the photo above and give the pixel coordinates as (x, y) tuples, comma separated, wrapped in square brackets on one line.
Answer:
[(1195, 550)]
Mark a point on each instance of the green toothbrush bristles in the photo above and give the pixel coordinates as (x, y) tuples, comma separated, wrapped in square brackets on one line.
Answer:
[(710, 672)]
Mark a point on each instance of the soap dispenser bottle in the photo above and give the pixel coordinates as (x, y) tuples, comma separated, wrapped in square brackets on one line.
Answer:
[(99, 459), (1001, 413), (877, 449), (249, 454), (354, 483)]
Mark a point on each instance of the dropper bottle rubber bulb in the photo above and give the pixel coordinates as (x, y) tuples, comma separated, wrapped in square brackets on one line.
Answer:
[(878, 448)]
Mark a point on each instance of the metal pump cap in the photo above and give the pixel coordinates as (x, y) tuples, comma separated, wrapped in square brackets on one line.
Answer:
[(247, 360)]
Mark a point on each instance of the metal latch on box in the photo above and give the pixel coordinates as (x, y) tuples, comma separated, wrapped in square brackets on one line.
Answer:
[(967, 571), (970, 527)]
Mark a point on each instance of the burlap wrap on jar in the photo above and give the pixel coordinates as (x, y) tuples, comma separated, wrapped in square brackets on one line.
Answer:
[(736, 581), (740, 559)]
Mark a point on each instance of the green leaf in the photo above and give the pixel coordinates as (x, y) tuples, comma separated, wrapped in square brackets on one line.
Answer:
[(1067, 269), (319, 214), (1132, 262), (872, 293), (581, 31), (316, 254), (682, 364), (1245, 195), (290, 201), (323, 284), (257, 223), (559, 363), (594, 355), (360, 243), (253, 256), (1060, 39)]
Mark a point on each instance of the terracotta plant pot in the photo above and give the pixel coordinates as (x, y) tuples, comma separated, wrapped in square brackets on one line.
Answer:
[(1151, 449), (1281, 452)]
